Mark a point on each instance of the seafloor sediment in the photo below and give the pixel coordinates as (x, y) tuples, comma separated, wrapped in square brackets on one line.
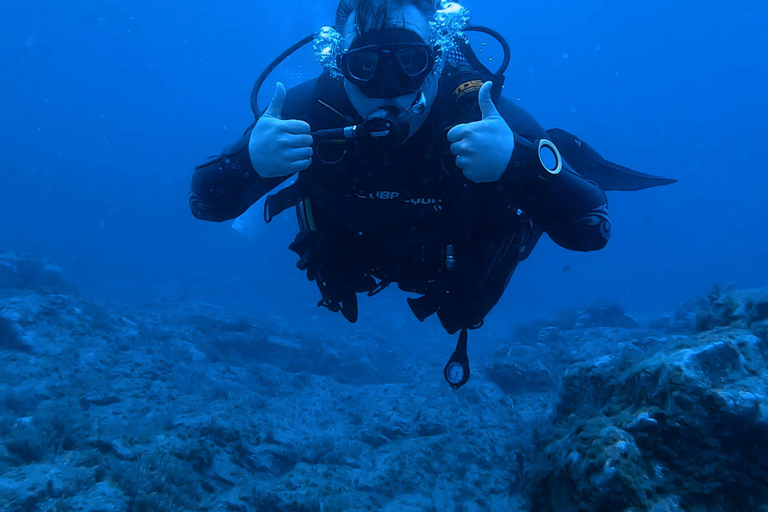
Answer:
[(182, 405)]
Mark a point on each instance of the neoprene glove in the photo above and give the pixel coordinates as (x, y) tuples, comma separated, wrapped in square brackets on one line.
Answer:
[(483, 148), (279, 147)]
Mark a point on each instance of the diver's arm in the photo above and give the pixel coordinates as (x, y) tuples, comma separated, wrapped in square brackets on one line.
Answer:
[(571, 209), (225, 186)]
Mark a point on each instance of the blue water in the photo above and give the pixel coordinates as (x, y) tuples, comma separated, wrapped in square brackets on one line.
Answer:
[(108, 106)]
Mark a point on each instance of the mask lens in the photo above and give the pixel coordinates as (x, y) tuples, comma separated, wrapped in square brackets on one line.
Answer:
[(388, 70), (413, 60), (362, 64)]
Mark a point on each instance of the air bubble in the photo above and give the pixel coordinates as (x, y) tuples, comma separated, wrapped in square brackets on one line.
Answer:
[(326, 46), (447, 29)]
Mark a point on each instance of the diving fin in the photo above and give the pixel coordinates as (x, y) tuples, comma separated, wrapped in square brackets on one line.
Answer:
[(588, 163)]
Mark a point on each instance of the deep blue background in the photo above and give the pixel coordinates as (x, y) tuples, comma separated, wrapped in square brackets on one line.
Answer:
[(107, 107)]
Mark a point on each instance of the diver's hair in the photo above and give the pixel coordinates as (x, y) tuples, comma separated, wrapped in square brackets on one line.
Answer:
[(373, 14)]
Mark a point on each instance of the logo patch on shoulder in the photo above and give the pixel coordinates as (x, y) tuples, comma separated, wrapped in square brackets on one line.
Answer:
[(466, 88)]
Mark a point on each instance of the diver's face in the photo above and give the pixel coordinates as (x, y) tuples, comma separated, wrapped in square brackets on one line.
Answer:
[(411, 19)]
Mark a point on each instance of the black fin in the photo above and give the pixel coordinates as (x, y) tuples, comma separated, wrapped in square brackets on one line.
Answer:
[(588, 162), (423, 307), (349, 307)]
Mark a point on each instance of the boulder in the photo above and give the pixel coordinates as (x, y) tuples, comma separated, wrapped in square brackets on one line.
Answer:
[(678, 430)]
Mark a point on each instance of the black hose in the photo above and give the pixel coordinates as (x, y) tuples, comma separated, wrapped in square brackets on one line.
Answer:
[(280, 58), (503, 42), (268, 71)]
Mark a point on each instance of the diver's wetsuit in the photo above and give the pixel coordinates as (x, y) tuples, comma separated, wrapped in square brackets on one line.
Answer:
[(399, 215)]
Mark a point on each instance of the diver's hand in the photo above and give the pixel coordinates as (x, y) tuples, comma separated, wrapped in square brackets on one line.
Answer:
[(483, 148), (279, 147)]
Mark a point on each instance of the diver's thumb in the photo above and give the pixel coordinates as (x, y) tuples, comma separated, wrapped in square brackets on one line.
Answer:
[(487, 108), (275, 108)]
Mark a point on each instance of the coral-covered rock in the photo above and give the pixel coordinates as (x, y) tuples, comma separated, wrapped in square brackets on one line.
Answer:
[(737, 308), (719, 308), (681, 429)]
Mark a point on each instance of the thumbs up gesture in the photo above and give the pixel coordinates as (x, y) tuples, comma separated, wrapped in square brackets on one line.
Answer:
[(279, 147), (483, 148)]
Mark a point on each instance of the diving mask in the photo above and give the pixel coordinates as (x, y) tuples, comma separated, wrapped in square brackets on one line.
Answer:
[(387, 63)]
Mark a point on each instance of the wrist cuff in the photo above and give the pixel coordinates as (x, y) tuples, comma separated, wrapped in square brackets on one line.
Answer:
[(534, 159)]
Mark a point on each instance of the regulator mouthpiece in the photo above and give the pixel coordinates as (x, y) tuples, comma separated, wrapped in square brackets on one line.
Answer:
[(384, 125)]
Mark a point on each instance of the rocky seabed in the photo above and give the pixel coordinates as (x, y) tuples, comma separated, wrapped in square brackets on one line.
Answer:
[(181, 405)]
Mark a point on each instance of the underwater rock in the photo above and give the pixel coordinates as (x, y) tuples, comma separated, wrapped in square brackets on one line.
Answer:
[(737, 308), (553, 330), (102, 497), (596, 464), (272, 459), (352, 359), (11, 333), (45, 323), (28, 490), (643, 423), (686, 425), (45, 486), (276, 502), (101, 399), (26, 273), (760, 329), (515, 377), (548, 334), (113, 446), (720, 308), (605, 315), (183, 406), (670, 504), (667, 322)]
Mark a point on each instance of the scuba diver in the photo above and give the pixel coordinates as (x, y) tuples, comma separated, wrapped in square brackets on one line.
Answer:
[(411, 169)]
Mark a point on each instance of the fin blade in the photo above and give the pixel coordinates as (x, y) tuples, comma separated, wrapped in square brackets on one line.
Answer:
[(590, 164)]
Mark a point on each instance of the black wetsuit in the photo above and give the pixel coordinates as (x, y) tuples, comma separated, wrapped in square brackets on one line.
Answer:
[(408, 215)]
